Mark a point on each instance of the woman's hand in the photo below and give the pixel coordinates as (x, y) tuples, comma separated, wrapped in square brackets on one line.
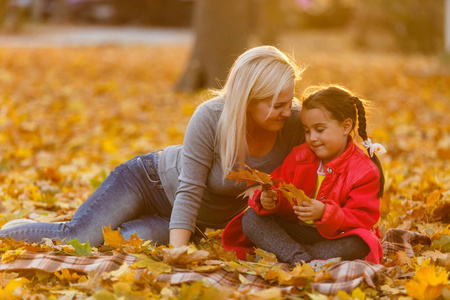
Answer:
[(179, 237), (310, 210), (269, 199)]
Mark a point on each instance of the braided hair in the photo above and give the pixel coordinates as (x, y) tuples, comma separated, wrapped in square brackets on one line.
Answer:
[(341, 105)]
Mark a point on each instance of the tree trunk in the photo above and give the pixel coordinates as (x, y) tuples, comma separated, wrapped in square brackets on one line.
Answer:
[(268, 23), (37, 10), (3, 4), (447, 26), (221, 29)]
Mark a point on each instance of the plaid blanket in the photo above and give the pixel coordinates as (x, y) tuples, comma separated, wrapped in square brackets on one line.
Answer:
[(346, 275)]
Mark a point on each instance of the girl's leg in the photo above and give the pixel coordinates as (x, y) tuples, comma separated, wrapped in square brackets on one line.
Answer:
[(266, 233), (294, 243), (348, 248), (130, 191)]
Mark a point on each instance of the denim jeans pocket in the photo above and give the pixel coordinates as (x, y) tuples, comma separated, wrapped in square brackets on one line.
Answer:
[(150, 170)]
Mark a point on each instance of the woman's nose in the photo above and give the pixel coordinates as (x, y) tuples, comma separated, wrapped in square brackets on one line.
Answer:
[(286, 112)]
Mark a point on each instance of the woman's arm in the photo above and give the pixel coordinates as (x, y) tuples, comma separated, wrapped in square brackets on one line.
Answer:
[(197, 160), (179, 237)]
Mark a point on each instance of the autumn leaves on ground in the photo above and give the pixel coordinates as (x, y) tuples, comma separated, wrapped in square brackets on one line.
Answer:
[(68, 116)]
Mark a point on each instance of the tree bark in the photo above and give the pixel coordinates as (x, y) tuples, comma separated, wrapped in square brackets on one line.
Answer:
[(447, 26), (221, 30), (268, 23), (3, 4)]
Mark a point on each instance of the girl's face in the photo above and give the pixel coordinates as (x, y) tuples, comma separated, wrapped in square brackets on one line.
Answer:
[(263, 116), (326, 137)]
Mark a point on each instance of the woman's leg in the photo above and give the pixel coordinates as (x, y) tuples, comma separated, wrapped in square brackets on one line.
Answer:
[(154, 228), (126, 194)]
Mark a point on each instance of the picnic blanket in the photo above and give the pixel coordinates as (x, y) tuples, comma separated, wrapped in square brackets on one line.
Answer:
[(346, 275)]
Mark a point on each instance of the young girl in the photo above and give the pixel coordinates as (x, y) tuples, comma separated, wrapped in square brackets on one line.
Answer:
[(345, 185)]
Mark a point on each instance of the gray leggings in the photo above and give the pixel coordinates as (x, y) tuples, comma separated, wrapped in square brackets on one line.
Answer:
[(294, 243)]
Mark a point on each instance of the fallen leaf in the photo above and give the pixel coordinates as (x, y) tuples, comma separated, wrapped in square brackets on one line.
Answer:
[(146, 262), (78, 248), (11, 255), (183, 255)]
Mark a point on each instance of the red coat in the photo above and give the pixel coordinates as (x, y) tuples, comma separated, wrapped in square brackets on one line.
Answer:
[(349, 190)]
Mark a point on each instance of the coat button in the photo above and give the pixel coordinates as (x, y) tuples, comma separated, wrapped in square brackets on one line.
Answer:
[(329, 170)]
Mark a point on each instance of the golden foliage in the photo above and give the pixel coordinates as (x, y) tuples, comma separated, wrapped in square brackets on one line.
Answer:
[(260, 180), (68, 116)]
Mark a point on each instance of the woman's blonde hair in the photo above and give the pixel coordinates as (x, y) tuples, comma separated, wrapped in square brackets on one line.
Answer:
[(258, 73)]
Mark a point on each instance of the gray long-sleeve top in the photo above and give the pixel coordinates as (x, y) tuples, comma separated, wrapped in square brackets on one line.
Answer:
[(191, 174)]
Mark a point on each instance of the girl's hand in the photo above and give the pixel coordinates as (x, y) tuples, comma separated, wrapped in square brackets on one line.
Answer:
[(269, 199), (310, 210)]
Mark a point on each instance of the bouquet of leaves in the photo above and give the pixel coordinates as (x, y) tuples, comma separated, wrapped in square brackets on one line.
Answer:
[(257, 180)]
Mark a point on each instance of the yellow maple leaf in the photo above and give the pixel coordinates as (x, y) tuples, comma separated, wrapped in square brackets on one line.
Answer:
[(276, 274), (439, 234), (124, 273), (123, 290), (11, 255), (184, 255), (66, 275), (14, 289), (357, 294), (251, 176), (113, 238), (150, 264), (303, 270), (135, 241), (293, 194), (266, 256), (427, 283)]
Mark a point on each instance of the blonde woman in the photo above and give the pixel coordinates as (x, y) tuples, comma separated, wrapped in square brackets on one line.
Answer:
[(164, 196)]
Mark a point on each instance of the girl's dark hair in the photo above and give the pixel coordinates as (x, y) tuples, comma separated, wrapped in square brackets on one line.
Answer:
[(342, 104)]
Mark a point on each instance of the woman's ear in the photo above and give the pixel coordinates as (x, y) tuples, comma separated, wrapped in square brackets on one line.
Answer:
[(347, 125)]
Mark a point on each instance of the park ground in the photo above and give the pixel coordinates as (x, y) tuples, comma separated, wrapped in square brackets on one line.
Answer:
[(73, 106)]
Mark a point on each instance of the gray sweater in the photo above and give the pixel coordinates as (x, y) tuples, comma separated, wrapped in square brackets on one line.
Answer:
[(191, 174)]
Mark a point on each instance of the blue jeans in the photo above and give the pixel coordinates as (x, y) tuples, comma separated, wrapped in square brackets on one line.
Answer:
[(131, 199)]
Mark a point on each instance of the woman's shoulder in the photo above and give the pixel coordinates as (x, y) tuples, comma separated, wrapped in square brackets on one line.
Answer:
[(208, 112), (214, 104)]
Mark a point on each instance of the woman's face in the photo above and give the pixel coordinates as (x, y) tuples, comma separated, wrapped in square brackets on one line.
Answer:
[(263, 115)]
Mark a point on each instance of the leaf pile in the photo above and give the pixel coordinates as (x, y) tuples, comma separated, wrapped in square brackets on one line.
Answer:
[(68, 116)]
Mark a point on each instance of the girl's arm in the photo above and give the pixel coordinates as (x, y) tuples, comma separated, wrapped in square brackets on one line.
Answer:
[(361, 210), (286, 173)]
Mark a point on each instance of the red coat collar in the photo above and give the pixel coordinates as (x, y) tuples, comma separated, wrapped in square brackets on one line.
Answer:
[(307, 156)]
